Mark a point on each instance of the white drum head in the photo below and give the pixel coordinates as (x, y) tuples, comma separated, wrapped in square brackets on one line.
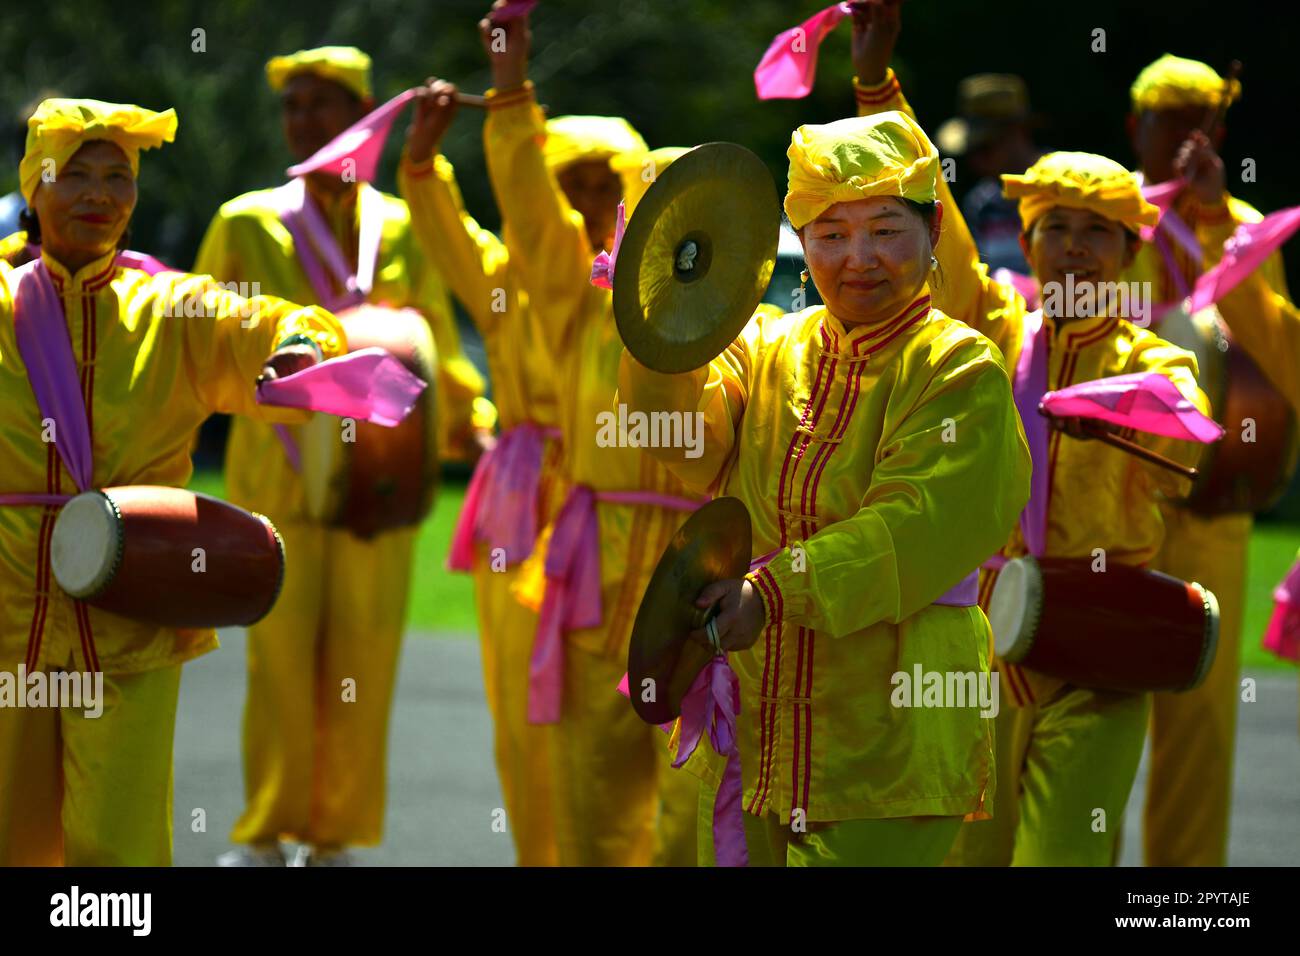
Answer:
[(86, 546), (1015, 608)]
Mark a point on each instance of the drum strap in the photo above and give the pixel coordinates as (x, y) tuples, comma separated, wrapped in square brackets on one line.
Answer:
[(41, 331), (1029, 387)]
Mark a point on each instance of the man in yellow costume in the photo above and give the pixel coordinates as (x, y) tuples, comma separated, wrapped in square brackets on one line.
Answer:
[(314, 753), (876, 445), (1063, 751), (1193, 734), (616, 801), (77, 787)]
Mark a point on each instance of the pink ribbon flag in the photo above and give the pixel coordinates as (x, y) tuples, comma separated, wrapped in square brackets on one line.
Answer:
[(361, 143), (368, 384), (1250, 245), (602, 267), (1147, 401), (789, 66), (1283, 634)]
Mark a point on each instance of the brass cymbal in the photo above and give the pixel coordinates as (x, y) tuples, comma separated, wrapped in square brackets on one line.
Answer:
[(696, 257), (713, 545)]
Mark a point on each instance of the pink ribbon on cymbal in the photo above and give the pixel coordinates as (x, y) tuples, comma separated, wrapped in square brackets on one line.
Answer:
[(512, 11), (500, 507), (602, 267), (1282, 636), (1243, 253), (368, 384), (789, 66), (624, 689), (362, 143), (711, 707), (1147, 401)]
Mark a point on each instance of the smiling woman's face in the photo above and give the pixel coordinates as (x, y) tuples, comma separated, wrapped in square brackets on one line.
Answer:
[(869, 258), (1080, 243), (85, 211)]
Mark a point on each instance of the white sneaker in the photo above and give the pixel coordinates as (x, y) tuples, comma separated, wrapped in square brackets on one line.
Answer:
[(315, 856), (268, 855)]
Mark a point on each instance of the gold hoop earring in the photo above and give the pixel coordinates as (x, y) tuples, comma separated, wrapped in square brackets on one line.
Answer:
[(934, 263), (803, 279)]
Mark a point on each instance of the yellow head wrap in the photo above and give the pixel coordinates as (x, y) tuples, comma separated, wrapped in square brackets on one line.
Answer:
[(634, 169), (885, 154), (1172, 82), (59, 127), (572, 139), (345, 65), (1080, 181)]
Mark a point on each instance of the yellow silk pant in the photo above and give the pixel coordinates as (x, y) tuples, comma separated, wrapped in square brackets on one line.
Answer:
[(1060, 760), (83, 791), (321, 670), (893, 841), (618, 802), (522, 750), (1193, 734)]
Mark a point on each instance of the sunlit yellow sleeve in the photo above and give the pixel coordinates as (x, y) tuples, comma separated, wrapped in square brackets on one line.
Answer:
[(934, 509), (1260, 313), (962, 289), (225, 347), (219, 251), (546, 236), (1153, 354), (471, 260), (719, 391)]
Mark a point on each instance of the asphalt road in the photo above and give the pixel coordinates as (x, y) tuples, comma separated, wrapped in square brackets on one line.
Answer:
[(442, 787)]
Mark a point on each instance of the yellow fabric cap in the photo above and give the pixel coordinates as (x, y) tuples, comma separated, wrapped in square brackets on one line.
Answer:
[(885, 154), (1080, 181), (60, 127), (632, 168), (572, 139), (342, 64), (1172, 82)]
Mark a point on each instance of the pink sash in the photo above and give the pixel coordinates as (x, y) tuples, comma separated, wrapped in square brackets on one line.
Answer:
[(1030, 386), (1283, 634), (41, 331), (318, 251), (572, 598), (500, 507)]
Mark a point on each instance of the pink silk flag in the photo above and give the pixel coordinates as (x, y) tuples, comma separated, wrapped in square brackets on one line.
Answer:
[(1146, 401), (1162, 196), (789, 66), (1250, 245), (602, 267), (368, 384), (1283, 635), (361, 144), (512, 11)]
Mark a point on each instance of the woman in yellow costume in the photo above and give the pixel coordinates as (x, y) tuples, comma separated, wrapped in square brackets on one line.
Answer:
[(96, 790), (876, 445), (616, 801), (1193, 734), (1064, 752), (315, 754), (522, 368)]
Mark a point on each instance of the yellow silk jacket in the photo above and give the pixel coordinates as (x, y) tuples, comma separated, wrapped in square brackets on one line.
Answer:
[(548, 247), (479, 270), (246, 242), (151, 372), (881, 465)]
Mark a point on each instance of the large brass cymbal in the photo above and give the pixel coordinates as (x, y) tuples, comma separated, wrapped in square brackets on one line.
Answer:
[(696, 257), (714, 544)]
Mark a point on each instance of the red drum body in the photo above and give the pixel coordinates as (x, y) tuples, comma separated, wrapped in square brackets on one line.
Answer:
[(1124, 629), (132, 551), (383, 478), (1236, 475)]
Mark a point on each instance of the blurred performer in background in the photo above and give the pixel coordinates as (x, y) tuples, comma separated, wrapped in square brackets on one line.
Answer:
[(1193, 734), (617, 802), (993, 134), (314, 763), (518, 486), (78, 788)]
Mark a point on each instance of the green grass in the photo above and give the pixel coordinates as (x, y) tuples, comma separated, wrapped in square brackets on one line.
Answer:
[(443, 603)]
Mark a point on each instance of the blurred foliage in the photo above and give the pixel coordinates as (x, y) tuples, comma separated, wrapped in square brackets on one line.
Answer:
[(679, 69)]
